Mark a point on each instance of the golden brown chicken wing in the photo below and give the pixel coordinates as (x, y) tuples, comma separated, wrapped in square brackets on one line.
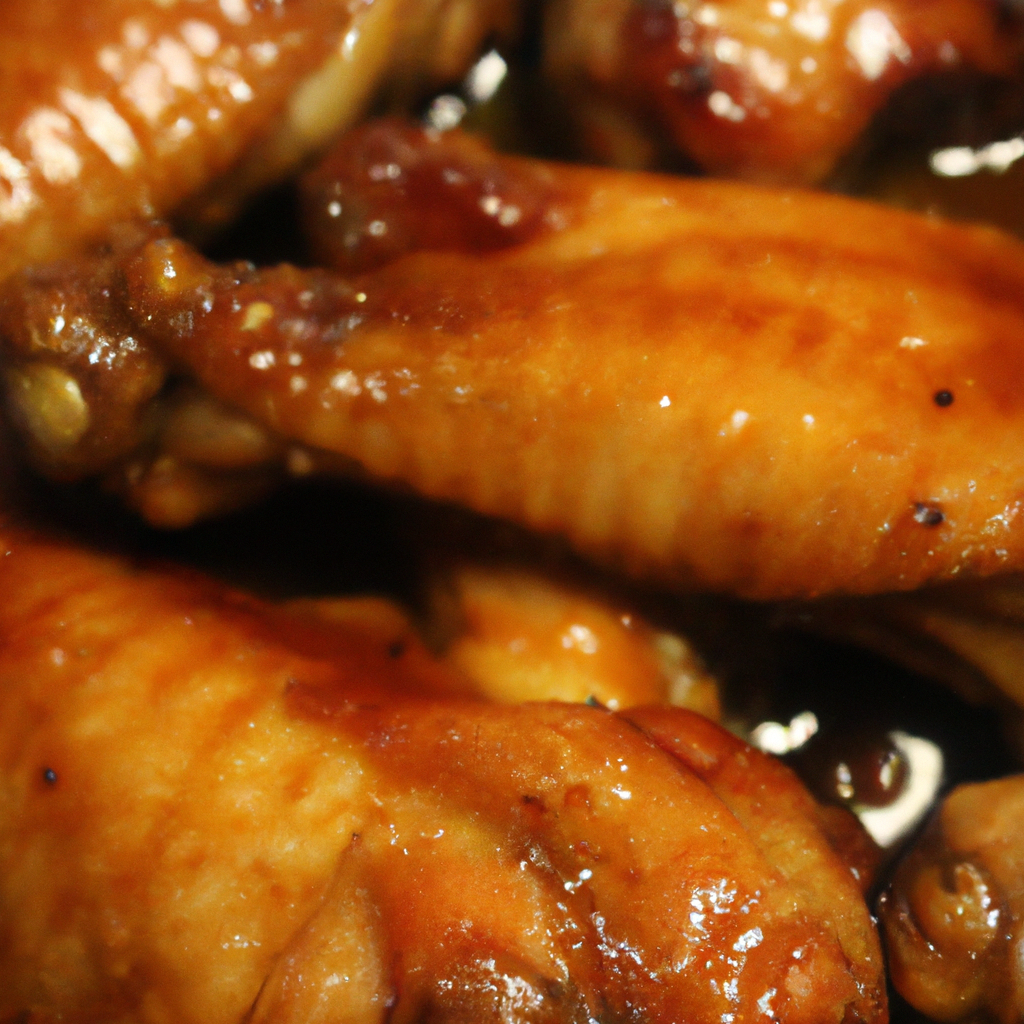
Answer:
[(113, 110), (217, 810), (520, 635), (121, 109), (769, 91), (773, 393), (953, 917)]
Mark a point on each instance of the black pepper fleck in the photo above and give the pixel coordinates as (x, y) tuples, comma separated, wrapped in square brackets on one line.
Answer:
[(49, 777), (943, 398), (397, 649), (928, 513)]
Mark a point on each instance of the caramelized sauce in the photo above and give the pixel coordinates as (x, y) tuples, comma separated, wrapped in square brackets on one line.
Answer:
[(770, 92), (394, 188), (537, 368), (454, 197), (287, 776)]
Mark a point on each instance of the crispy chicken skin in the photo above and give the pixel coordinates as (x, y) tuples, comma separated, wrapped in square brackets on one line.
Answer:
[(772, 92), (119, 109), (953, 918), (215, 810), (657, 372)]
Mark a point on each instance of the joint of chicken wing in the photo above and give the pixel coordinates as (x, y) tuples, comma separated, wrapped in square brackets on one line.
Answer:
[(953, 918)]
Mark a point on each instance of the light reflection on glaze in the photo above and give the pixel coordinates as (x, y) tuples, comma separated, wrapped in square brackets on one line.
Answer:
[(117, 110), (873, 41), (137, 105), (104, 127), (730, 485), (315, 785), (771, 91)]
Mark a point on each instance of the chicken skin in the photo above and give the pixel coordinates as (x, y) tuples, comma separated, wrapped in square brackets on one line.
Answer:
[(954, 916), (773, 92), (122, 109), (520, 636), (654, 369), (215, 809), (218, 810)]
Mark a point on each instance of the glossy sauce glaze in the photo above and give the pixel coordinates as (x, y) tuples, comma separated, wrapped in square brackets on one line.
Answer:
[(454, 861), (123, 110), (83, 414), (656, 381), (394, 188), (522, 635), (302, 797), (114, 111), (768, 91), (953, 915)]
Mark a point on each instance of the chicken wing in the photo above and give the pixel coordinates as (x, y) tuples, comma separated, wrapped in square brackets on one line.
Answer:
[(118, 109), (521, 636), (766, 91), (218, 810), (954, 917), (656, 372)]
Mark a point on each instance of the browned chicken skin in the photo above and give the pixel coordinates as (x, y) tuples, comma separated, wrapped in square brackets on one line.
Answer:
[(212, 809), (121, 109), (769, 91), (657, 372), (954, 917), (111, 111), (520, 636), (296, 799)]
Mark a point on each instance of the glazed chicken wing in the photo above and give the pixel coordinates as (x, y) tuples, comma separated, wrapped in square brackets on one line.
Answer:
[(773, 393), (521, 636), (117, 109), (954, 916), (773, 91), (218, 810)]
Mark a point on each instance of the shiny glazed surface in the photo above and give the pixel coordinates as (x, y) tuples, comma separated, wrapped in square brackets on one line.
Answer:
[(520, 636), (659, 377), (954, 916), (369, 843), (299, 799), (117, 110), (111, 111), (768, 91)]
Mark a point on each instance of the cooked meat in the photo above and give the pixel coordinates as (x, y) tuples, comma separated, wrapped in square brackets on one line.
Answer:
[(214, 808), (773, 92), (954, 916), (121, 109), (656, 373)]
